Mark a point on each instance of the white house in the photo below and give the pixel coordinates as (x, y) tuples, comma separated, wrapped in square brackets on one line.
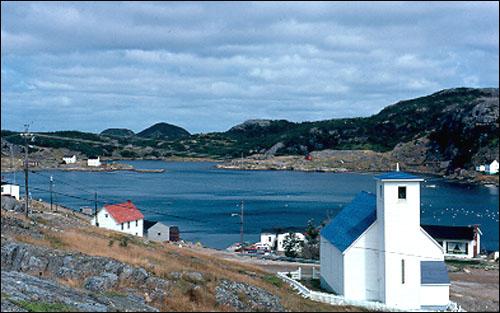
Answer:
[(123, 217), (68, 159), (281, 238), (93, 161), (276, 237), (10, 190), (376, 250), (457, 241), (481, 168), (492, 168)]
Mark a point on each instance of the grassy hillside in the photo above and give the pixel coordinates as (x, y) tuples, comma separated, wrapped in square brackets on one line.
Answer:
[(66, 237)]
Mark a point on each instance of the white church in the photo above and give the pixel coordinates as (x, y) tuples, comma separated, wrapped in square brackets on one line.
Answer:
[(375, 249)]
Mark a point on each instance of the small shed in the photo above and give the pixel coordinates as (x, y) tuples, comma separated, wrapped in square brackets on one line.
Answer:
[(158, 231)]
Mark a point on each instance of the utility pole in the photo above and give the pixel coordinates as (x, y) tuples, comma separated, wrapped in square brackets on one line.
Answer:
[(95, 209), (51, 183), (241, 222), (26, 195), (12, 163)]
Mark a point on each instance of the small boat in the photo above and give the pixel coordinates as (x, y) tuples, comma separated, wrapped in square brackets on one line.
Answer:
[(430, 186)]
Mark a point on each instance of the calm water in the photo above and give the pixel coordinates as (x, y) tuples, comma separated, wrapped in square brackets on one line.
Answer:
[(200, 199)]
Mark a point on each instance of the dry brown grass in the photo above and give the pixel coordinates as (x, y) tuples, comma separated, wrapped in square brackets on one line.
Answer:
[(162, 259)]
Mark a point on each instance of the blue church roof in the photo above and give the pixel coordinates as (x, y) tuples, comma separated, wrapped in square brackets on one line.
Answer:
[(352, 221), (433, 272), (396, 175)]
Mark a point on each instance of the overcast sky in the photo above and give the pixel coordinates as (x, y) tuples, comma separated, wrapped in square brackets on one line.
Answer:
[(209, 66)]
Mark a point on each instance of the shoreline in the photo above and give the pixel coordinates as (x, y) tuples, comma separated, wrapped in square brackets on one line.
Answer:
[(246, 165), (447, 178)]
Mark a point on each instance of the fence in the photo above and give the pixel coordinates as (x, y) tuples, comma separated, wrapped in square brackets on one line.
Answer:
[(331, 298)]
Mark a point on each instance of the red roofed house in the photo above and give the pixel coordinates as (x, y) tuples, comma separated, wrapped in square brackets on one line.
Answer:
[(123, 217)]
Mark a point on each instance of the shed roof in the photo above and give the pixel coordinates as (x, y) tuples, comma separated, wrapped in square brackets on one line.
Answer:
[(149, 224), (124, 212), (450, 232), (433, 272), (396, 175), (351, 221)]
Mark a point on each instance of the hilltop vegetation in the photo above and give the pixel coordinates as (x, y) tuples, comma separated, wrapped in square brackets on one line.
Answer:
[(458, 126), (164, 131)]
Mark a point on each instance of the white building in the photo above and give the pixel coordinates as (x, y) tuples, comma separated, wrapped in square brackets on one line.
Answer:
[(94, 161), (492, 168), (68, 159), (11, 190), (281, 239), (457, 241), (375, 249), (123, 217), (276, 237), (481, 168)]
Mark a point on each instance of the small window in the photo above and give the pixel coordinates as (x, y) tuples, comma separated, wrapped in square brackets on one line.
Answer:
[(402, 193), (128, 225), (106, 215), (159, 234), (137, 223), (269, 238), (381, 191), (122, 226), (402, 271), (136, 234)]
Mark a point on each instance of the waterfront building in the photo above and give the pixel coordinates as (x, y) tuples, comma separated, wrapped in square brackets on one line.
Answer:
[(123, 217), (11, 190), (94, 161), (457, 241), (69, 159), (376, 250), (275, 237), (492, 168)]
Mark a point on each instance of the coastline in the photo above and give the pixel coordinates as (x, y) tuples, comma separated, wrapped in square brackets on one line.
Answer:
[(281, 163), (292, 163)]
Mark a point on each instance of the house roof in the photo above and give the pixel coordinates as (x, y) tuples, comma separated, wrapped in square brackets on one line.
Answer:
[(396, 175), (124, 212), (433, 272), (450, 232), (351, 221)]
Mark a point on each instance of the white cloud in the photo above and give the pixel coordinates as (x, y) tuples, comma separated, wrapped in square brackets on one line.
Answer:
[(135, 63)]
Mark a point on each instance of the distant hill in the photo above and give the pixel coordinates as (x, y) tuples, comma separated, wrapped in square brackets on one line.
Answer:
[(118, 132), (457, 127), (461, 125), (164, 131)]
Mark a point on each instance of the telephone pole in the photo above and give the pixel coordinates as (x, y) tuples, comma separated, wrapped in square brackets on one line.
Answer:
[(95, 209), (26, 147), (51, 183), (241, 222)]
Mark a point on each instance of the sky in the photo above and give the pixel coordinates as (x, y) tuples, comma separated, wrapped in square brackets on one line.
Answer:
[(209, 66)]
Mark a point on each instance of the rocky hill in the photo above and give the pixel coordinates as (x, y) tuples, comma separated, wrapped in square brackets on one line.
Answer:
[(445, 132), (164, 131), (117, 132), (55, 262)]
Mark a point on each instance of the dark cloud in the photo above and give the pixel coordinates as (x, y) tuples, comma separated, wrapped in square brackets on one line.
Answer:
[(208, 66)]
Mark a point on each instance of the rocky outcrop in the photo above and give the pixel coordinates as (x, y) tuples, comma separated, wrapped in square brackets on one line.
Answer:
[(244, 297), (20, 290), (97, 274)]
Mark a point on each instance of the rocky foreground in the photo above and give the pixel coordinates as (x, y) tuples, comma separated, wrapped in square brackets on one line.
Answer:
[(55, 261)]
